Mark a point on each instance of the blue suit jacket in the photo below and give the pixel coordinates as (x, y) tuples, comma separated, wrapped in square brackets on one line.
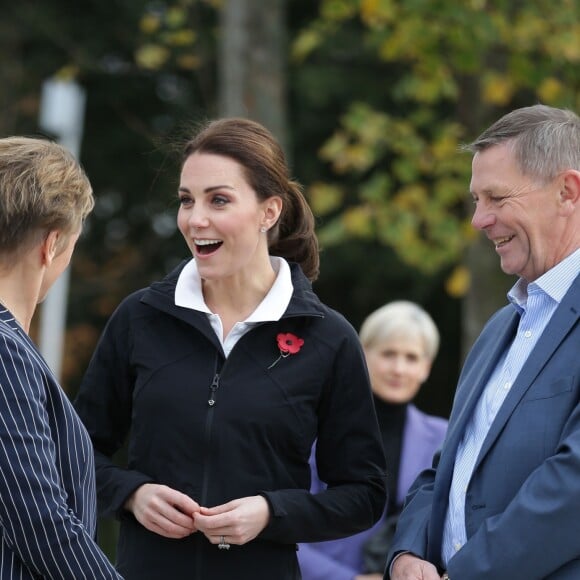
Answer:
[(47, 473), (522, 512)]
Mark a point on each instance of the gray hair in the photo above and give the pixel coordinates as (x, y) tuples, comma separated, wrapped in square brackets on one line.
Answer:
[(400, 318), (545, 140)]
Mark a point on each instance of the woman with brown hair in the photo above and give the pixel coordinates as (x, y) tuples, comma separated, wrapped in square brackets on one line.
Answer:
[(223, 374)]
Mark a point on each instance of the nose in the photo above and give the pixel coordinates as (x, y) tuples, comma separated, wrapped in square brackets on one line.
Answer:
[(197, 217), (398, 364), (482, 217)]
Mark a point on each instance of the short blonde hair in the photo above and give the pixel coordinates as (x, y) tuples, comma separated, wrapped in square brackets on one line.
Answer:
[(42, 188), (400, 318)]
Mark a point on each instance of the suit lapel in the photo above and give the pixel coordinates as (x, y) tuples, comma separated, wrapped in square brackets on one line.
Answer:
[(497, 340), (564, 318), (487, 350)]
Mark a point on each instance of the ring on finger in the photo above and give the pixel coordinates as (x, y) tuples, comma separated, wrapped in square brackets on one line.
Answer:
[(223, 545)]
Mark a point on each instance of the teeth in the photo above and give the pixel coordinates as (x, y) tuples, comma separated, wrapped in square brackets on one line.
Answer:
[(500, 241), (206, 242)]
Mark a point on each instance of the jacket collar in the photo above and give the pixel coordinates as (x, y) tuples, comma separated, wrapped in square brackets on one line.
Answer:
[(161, 295)]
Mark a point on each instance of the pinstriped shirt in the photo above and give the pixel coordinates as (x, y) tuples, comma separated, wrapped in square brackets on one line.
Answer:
[(536, 302), (47, 474)]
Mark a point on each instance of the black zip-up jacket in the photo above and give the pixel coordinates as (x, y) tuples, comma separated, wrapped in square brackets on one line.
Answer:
[(218, 428)]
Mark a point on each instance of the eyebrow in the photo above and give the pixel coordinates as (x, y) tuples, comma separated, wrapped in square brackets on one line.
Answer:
[(207, 189)]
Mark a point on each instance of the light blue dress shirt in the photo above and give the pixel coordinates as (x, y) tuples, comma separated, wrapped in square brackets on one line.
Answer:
[(536, 302)]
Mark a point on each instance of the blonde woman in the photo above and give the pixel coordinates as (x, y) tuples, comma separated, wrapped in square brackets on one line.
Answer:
[(47, 479)]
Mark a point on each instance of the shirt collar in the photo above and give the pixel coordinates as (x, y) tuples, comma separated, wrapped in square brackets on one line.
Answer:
[(555, 282), (8, 318), (188, 292)]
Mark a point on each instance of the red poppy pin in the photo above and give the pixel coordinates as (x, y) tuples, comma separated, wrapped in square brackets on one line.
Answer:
[(288, 344)]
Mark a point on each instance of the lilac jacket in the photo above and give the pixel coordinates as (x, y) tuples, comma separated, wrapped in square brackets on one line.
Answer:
[(342, 559)]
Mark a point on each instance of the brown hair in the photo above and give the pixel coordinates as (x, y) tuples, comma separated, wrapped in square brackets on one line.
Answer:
[(42, 188), (261, 156)]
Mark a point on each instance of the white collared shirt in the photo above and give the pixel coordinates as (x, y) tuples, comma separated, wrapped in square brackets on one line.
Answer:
[(189, 294), (536, 302)]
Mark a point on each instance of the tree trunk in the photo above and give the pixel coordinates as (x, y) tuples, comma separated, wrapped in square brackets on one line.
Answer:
[(251, 64), (11, 75), (487, 291), (488, 287)]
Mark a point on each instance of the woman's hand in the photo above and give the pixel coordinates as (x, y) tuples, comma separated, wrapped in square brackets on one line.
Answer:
[(238, 521), (163, 510)]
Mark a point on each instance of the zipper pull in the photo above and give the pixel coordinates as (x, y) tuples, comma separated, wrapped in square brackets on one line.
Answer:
[(213, 388)]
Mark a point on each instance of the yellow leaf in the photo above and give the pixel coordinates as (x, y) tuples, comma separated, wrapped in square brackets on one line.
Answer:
[(377, 13), (324, 197), (67, 73), (497, 89), (188, 61), (151, 56), (550, 89), (338, 10), (175, 17), (357, 221), (458, 282), (185, 37), (149, 23), (306, 42)]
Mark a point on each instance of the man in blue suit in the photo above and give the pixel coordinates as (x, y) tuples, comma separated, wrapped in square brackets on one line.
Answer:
[(503, 498)]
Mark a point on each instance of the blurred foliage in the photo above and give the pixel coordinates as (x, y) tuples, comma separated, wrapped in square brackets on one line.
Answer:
[(436, 73), (381, 93)]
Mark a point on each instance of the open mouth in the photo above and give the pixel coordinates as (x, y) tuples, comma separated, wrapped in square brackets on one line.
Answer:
[(205, 247), (502, 241)]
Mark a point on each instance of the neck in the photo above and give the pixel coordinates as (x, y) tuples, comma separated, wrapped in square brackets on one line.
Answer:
[(19, 307), (20, 288), (238, 295)]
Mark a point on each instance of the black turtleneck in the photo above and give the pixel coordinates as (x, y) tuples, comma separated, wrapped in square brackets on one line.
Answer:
[(392, 419)]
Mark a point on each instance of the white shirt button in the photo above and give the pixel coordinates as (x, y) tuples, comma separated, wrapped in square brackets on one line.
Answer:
[(507, 385), (528, 333), (457, 546)]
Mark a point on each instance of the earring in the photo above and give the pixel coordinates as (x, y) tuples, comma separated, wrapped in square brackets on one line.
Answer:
[(263, 230)]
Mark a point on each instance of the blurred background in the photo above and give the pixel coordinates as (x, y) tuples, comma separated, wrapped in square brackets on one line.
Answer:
[(371, 99)]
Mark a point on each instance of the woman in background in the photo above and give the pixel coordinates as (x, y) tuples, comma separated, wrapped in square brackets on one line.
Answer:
[(400, 342), (223, 374), (47, 478)]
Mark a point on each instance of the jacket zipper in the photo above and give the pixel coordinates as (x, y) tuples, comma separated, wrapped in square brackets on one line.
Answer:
[(215, 384), (213, 388)]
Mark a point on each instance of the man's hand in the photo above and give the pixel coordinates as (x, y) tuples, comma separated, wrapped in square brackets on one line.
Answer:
[(238, 521), (163, 510), (409, 567)]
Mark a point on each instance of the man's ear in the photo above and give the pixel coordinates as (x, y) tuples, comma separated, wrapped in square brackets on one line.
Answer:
[(570, 191), (49, 247)]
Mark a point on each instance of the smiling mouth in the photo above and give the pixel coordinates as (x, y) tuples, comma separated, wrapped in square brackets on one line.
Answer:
[(205, 247), (502, 241)]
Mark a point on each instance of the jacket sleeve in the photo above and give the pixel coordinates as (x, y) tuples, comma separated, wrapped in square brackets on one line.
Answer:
[(104, 403), (412, 526), (37, 523), (349, 457)]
